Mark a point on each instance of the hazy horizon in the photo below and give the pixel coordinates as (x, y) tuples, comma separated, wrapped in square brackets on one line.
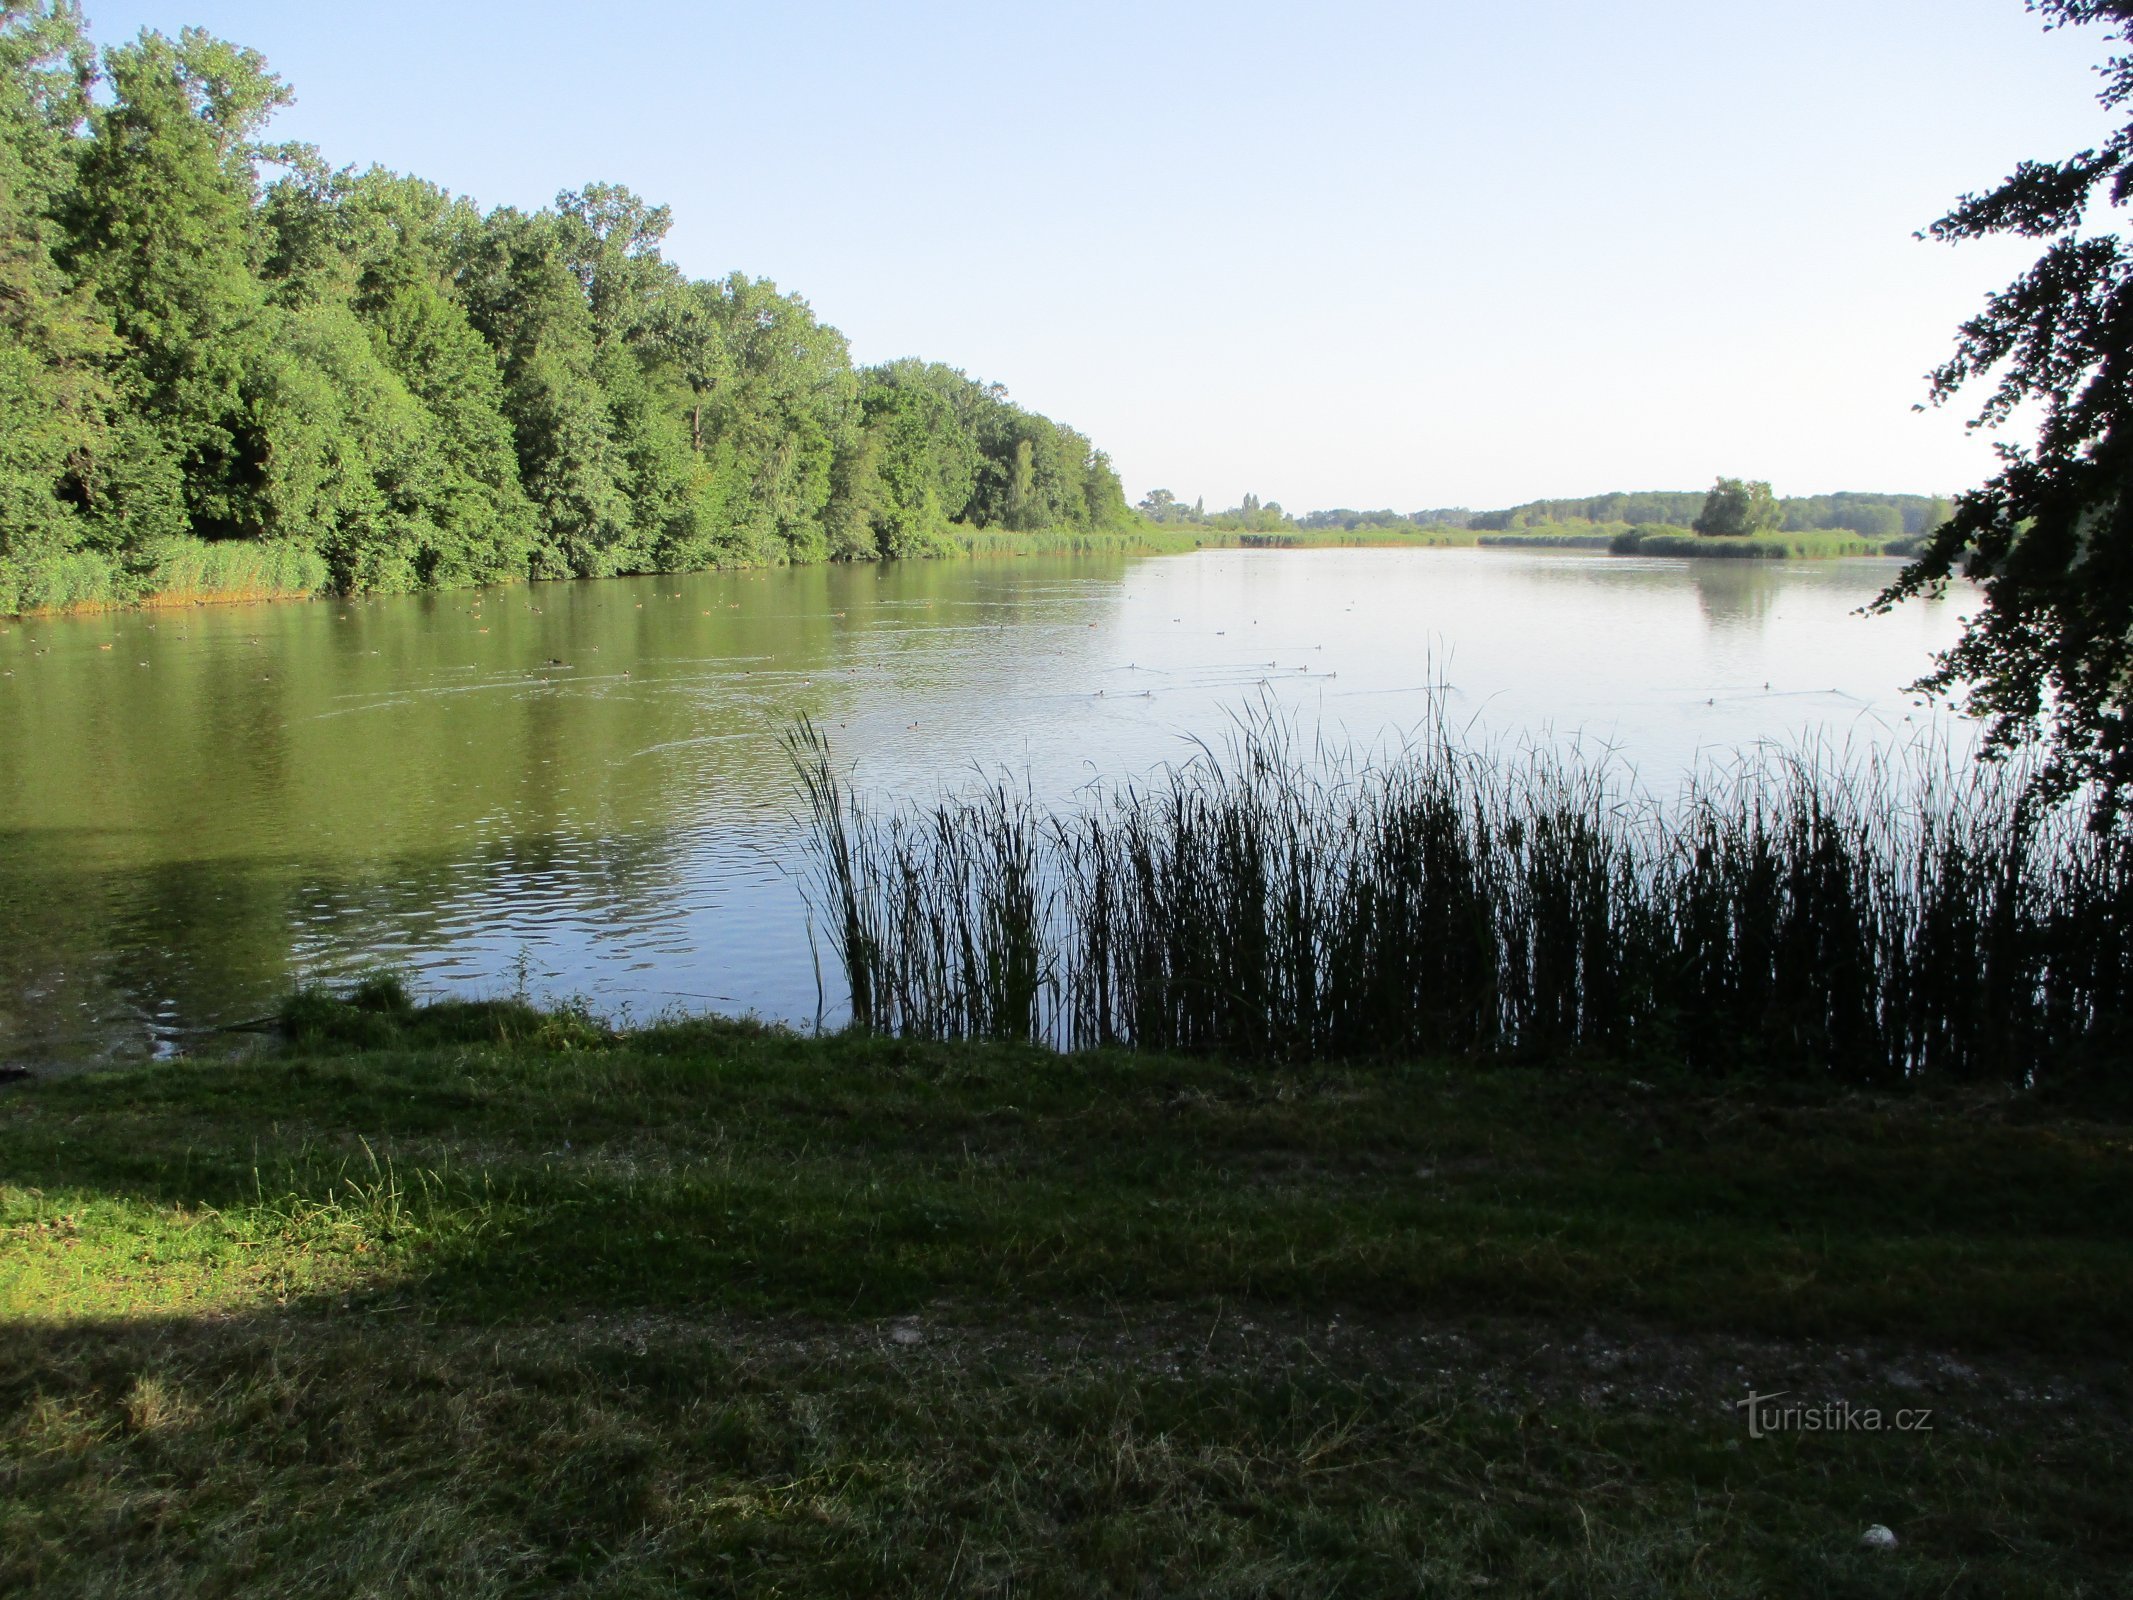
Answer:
[(1399, 257)]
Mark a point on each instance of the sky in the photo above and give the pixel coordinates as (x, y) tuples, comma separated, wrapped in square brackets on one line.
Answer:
[(1408, 255)]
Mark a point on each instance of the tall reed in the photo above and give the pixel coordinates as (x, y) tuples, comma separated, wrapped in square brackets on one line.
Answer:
[(1876, 919)]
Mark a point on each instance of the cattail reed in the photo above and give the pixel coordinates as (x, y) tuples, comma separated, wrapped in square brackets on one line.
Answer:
[(1877, 920)]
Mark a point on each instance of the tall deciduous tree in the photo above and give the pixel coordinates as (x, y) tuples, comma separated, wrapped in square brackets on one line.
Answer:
[(1734, 507), (370, 371), (2049, 657), (160, 226), (56, 345)]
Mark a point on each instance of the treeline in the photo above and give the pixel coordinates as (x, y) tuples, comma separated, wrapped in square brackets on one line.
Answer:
[(1250, 516), (1353, 521), (223, 363), (1872, 516)]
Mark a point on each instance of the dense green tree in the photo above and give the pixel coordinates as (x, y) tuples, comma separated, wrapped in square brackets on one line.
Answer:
[(379, 373), (525, 297), (1035, 474), (773, 426), (2050, 654), (360, 367), (161, 228), (925, 462), (1874, 522), (686, 331), (426, 339), (1103, 497), (55, 343), (1734, 507)]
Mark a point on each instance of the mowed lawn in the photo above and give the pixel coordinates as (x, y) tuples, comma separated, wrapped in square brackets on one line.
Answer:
[(473, 1300)]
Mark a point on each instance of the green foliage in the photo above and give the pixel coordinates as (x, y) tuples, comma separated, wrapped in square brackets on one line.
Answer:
[(75, 473), (924, 465), (1866, 514), (1821, 545), (1735, 509), (1661, 506), (1248, 516), (1552, 535), (364, 369), (236, 569), (1876, 516), (936, 448), (2049, 656)]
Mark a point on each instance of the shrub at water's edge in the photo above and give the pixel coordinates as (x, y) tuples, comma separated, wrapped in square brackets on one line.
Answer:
[(1876, 923)]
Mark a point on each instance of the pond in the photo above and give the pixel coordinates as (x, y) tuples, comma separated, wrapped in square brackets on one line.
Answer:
[(578, 789)]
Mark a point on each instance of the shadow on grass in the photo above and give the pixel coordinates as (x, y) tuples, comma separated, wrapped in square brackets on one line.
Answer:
[(481, 1300), (491, 1162), (317, 1450)]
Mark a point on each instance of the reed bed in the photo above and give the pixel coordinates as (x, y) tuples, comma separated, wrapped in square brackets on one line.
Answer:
[(205, 572), (183, 571), (1876, 919), (1818, 544)]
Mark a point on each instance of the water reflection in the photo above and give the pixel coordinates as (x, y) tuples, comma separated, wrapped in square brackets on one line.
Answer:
[(581, 783)]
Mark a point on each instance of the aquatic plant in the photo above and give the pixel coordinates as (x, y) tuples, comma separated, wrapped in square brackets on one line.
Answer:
[(1877, 918)]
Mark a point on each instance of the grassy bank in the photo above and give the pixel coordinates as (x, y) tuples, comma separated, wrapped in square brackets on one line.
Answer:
[(1818, 545), (1178, 538), (1619, 538), (1541, 536), (1166, 539), (474, 1300), (1147, 539), (203, 572)]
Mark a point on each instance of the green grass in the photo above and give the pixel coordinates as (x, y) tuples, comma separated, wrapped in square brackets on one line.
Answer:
[(477, 1300), (1142, 539)]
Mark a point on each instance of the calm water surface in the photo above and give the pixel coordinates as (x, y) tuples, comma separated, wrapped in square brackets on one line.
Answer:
[(579, 786)]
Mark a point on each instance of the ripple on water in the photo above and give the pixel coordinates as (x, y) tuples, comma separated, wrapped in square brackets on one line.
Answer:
[(309, 791)]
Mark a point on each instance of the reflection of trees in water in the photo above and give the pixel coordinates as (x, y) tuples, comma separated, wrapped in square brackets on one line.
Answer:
[(1735, 596), (97, 959), (1732, 594), (265, 801)]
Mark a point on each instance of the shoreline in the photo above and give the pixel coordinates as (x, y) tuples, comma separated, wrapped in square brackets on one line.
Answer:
[(1069, 545)]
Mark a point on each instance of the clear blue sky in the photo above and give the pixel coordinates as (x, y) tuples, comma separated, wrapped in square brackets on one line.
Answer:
[(1411, 254)]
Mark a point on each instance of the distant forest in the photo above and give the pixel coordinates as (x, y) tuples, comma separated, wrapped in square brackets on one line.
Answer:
[(226, 367), (1872, 516)]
